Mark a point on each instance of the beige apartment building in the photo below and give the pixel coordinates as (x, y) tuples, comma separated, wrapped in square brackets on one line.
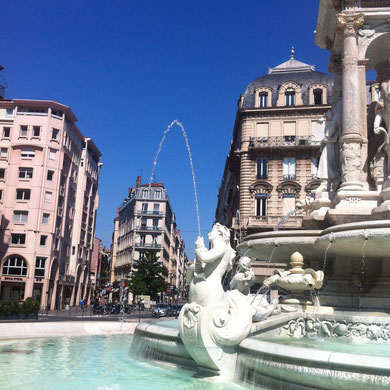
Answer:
[(273, 158), (146, 222), (49, 176)]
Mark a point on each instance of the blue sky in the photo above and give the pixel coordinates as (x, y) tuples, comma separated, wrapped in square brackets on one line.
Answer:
[(128, 68)]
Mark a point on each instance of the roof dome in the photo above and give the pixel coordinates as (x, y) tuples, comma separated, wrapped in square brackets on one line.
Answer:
[(292, 70)]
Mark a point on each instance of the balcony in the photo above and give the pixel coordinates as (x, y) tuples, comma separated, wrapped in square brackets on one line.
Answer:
[(154, 212), (149, 228), (284, 141), (272, 221), (148, 246), (289, 176)]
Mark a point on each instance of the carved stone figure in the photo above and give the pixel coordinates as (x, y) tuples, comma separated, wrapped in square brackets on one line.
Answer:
[(214, 321), (329, 164), (382, 124), (242, 281)]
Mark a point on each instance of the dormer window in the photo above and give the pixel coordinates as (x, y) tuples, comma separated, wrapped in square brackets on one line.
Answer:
[(290, 97), (263, 100), (145, 193), (317, 96)]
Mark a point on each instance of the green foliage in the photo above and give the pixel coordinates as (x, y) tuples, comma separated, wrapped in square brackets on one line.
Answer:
[(9, 308), (147, 278), (30, 307)]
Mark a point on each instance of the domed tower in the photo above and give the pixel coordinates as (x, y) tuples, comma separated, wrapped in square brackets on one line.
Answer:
[(274, 155)]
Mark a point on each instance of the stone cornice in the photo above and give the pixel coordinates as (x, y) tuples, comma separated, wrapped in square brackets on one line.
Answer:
[(280, 112)]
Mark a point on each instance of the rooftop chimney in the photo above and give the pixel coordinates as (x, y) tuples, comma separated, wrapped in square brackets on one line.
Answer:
[(138, 182)]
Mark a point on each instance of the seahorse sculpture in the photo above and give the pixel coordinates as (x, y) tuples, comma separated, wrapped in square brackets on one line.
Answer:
[(214, 322)]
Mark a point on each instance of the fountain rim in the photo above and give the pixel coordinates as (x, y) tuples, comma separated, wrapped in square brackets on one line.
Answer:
[(356, 226), (282, 233)]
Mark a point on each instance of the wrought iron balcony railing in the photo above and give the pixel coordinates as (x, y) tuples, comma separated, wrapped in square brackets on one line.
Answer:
[(283, 141), (144, 245), (271, 221)]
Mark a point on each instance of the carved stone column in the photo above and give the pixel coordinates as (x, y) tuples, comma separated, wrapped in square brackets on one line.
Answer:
[(350, 139)]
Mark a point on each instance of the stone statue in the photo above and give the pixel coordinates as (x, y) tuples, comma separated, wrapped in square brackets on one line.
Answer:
[(242, 281), (382, 124), (214, 322), (329, 164)]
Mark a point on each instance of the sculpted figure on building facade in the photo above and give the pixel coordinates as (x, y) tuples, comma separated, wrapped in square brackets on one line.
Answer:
[(329, 164), (382, 125)]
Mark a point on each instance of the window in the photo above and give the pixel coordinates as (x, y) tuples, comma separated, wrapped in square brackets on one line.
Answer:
[(314, 167), (54, 133), (20, 216), (157, 194), (317, 96), (289, 168), (23, 131), (262, 168), (25, 173), (156, 208), (263, 100), (155, 223), (3, 152), (289, 131), (144, 222), (9, 113), (18, 239), (2, 174), (40, 267), (262, 130), (1, 195), (145, 193), (261, 205), (43, 240), (16, 266), (45, 218), (23, 194), (27, 153), (52, 154), (50, 175), (6, 132), (142, 239), (288, 203), (56, 113), (73, 250), (36, 131), (154, 240), (48, 195), (144, 207), (290, 97)]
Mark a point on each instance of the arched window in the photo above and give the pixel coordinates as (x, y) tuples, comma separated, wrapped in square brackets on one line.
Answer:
[(263, 97), (260, 190), (290, 94), (15, 266), (317, 94)]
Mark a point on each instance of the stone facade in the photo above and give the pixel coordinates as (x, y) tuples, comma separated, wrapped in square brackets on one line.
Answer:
[(49, 199), (274, 155), (146, 222)]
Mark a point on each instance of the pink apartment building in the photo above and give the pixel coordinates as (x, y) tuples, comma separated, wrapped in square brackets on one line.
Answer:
[(48, 200)]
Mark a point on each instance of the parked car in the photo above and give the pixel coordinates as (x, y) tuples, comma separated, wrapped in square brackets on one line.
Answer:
[(176, 310), (162, 310)]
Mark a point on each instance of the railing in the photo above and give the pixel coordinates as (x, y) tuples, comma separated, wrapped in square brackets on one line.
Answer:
[(289, 177), (32, 113), (160, 213), (287, 141), (149, 228), (272, 221), (143, 245)]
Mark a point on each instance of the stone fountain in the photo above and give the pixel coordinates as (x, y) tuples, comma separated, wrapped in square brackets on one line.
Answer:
[(330, 328)]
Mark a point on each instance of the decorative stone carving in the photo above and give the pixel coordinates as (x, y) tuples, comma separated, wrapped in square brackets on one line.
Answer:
[(214, 321), (297, 280), (329, 164), (313, 327), (349, 22), (350, 161), (242, 281)]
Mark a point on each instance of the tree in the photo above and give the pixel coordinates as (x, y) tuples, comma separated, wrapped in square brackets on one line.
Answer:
[(147, 276)]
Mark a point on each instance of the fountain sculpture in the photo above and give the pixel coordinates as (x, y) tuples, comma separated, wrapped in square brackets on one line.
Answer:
[(340, 260)]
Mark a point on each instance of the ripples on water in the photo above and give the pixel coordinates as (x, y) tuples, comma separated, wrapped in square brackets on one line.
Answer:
[(99, 363)]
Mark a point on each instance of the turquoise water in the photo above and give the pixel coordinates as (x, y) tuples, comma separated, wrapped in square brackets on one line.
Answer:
[(80, 363), (333, 345)]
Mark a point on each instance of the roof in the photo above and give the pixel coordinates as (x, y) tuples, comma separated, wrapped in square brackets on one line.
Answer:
[(292, 65)]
